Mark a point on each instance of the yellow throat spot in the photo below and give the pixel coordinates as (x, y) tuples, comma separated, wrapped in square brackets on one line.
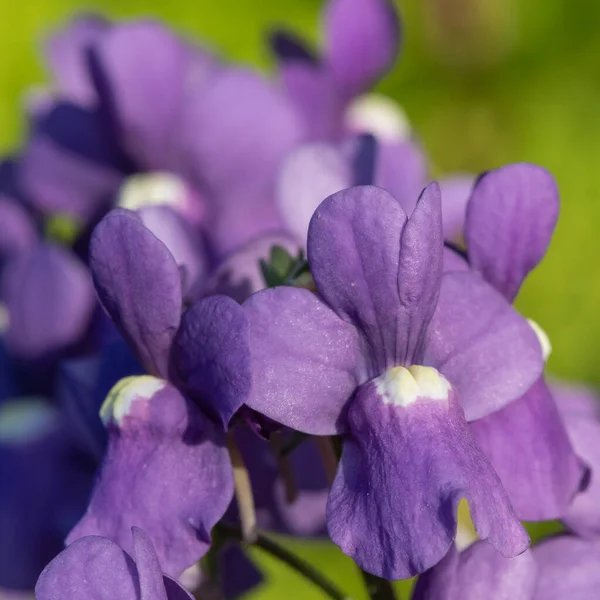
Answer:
[(125, 393), (402, 386), (465, 530), (380, 116), (543, 339), (152, 189)]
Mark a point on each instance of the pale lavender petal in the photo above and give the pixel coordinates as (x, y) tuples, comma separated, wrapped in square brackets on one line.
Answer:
[(143, 297), (511, 215), (50, 299), (568, 569), (308, 176), (166, 470), (477, 573), (240, 274), (152, 585), (404, 469), (538, 468), (306, 362), (476, 339), (212, 357), (67, 54), (454, 258), (362, 39), (456, 190), (353, 251), (580, 409), (17, 229)]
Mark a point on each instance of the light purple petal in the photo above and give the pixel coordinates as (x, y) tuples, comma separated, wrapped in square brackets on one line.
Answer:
[(67, 54), (511, 215), (568, 569), (362, 39), (478, 573), (238, 155), (538, 468), (306, 361), (166, 470), (580, 409), (456, 190), (403, 471), (183, 241), (212, 356), (143, 297), (91, 567), (308, 176), (50, 299), (240, 274), (152, 585), (17, 230), (488, 352), (353, 252)]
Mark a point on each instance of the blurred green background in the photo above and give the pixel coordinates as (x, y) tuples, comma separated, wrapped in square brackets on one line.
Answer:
[(484, 82)]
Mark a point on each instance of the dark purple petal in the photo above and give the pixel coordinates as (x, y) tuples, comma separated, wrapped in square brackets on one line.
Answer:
[(212, 356), (456, 190), (488, 352), (239, 153), (362, 39), (17, 230), (568, 568), (166, 470), (182, 240), (477, 573), (306, 362), (67, 54), (240, 274), (538, 467), (50, 301), (407, 461), (139, 285), (580, 409), (510, 219), (353, 250)]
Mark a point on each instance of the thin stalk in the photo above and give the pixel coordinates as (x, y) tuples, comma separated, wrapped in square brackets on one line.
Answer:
[(284, 467), (271, 547), (328, 456), (377, 588)]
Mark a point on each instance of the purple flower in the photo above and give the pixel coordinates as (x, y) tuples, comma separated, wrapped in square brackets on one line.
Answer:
[(560, 568), (96, 567), (510, 218), (377, 358), (362, 39), (167, 468)]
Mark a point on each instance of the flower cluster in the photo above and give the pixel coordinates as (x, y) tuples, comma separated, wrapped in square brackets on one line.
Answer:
[(232, 304)]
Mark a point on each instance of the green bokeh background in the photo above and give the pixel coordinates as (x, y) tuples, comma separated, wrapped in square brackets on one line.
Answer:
[(484, 82)]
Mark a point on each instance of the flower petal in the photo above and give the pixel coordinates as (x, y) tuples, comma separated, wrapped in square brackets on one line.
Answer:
[(403, 471), (476, 339), (538, 468), (511, 215), (306, 361), (456, 190), (17, 230), (362, 41), (159, 442), (143, 297), (479, 572), (50, 300), (212, 356)]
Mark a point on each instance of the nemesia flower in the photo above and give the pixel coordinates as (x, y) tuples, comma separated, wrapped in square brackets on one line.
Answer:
[(362, 38), (96, 567), (510, 218), (559, 568), (159, 431), (371, 357)]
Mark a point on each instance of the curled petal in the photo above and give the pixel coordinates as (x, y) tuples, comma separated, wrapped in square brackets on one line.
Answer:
[(482, 345), (17, 231), (538, 468), (305, 360), (159, 442), (404, 469), (143, 297), (456, 190), (511, 215)]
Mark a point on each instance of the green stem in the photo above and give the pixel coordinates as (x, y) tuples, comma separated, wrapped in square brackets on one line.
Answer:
[(289, 558), (377, 588)]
